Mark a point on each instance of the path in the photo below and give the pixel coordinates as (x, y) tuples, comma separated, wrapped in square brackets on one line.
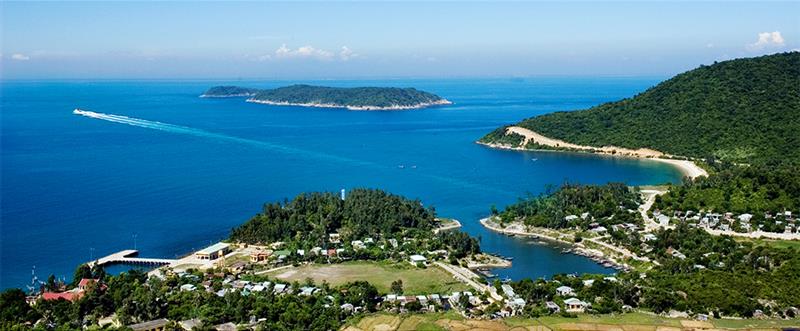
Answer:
[(466, 276)]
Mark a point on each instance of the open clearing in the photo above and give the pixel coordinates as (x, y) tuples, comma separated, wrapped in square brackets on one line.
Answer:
[(415, 280), (618, 322)]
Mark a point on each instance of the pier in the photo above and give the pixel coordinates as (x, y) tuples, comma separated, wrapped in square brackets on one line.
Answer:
[(128, 256)]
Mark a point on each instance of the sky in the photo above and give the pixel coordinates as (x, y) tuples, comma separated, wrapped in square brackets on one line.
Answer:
[(338, 40)]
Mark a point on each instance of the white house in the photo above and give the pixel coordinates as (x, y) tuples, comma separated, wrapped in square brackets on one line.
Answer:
[(574, 305), (588, 282), (508, 290), (745, 217), (416, 258), (565, 291)]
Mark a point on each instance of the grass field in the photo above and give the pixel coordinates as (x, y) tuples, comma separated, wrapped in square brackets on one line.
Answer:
[(415, 280), (618, 322), (772, 243)]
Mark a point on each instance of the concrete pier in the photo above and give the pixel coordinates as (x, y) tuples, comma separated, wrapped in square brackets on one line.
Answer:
[(128, 256)]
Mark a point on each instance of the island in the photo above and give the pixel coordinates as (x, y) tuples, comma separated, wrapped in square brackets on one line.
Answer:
[(351, 98)]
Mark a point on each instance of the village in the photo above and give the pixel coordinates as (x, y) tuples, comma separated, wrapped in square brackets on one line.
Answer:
[(224, 268)]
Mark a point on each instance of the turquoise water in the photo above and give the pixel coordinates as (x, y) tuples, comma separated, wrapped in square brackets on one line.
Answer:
[(174, 172)]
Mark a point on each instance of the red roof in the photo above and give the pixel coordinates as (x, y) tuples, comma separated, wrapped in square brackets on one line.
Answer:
[(86, 281), (68, 295)]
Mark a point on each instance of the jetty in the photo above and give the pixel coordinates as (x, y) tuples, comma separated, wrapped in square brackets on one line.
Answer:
[(129, 256)]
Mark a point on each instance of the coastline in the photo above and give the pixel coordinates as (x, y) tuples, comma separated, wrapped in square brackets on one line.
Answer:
[(421, 105), (606, 259), (686, 167)]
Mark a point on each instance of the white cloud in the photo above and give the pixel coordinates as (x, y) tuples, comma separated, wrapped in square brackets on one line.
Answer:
[(20, 57), (767, 39), (303, 52), (347, 54)]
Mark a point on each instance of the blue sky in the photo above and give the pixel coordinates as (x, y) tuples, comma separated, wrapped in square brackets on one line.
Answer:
[(384, 39)]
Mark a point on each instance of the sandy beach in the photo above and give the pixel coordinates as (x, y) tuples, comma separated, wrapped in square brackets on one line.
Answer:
[(686, 167)]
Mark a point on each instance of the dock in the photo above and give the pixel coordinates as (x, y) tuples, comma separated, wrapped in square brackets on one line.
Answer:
[(129, 256)]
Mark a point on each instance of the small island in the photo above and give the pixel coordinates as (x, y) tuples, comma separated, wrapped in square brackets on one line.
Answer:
[(352, 98)]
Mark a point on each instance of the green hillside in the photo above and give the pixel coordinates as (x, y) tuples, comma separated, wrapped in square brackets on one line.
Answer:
[(364, 98), (743, 110)]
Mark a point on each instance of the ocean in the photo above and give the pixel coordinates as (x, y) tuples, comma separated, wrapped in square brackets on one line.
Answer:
[(166, 172)]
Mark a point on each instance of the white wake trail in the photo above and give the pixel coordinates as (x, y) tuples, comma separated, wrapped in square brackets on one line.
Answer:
[(155, 125), (202, 133)]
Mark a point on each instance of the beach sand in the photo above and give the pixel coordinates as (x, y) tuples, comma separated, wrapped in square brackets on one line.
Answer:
[(688, 168)]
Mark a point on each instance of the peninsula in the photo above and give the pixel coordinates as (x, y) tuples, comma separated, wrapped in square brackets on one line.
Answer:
[(351, 98)]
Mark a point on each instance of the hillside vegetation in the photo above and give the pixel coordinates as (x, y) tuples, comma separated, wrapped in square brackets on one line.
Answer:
[(743, 110), (323, 96)]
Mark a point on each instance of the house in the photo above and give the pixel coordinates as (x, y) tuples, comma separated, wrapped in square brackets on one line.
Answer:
[(570, 218), (279, 288), (308, 290), (585, 215), (662, 220), (552, 307), (508, 290), (237, 267), (393, 242), (214, 251), (588, 282), (347, 307), (573, 305), (71, 295), (334, 238), (259, 256), (565, 291), (358, 244), (610, 279), (745, 217), (316, 250), (599, 230), (369, 240), (225, 327), (517, 304), (190, 324), (649, 237), (188, 287), (301, 252), (84, 283), (154, 325), (416, 258)]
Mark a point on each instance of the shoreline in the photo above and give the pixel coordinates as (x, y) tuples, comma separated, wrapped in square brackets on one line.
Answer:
[(686, 167), (579, 249), (442, 102)]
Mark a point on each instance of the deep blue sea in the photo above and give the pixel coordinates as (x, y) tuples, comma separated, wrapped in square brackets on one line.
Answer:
[(184, 170)]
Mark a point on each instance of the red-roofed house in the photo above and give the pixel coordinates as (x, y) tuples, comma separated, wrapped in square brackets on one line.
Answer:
[(73, 295), (85, 282)]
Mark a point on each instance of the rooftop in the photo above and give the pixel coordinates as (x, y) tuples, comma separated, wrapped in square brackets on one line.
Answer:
[(214, 248)]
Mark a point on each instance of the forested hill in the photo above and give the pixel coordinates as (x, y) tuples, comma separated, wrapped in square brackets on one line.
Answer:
[(355, 98), (312, 216), (743, 110)]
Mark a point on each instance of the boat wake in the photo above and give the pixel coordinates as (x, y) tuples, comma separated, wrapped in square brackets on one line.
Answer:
[(155, 125), (206, 134)]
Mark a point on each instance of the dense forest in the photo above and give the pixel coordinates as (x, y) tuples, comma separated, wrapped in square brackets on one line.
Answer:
[(608, 204), (742, 110), (310, 217), (738, 189), (378, 97), (229, 91)]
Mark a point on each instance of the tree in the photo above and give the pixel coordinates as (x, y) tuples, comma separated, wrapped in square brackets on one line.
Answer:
[(397, 286)]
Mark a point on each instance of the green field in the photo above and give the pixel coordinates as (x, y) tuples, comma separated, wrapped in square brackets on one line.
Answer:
[(584, 322), (772, 243), (415, 280)]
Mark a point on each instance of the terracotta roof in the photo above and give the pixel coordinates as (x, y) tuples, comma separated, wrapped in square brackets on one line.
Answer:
[(86, 281), (68, 295)]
